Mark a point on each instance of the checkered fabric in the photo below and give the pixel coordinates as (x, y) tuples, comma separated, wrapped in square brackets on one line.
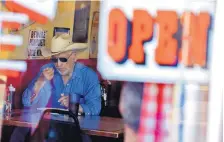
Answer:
[(156, 103)]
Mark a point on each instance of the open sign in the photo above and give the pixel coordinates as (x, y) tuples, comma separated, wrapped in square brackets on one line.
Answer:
[(140, 42)]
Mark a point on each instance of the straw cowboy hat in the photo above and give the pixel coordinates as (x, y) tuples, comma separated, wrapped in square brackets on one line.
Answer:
[(62, 43)]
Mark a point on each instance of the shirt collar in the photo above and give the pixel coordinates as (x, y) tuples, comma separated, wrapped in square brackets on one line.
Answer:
[(76, 70)]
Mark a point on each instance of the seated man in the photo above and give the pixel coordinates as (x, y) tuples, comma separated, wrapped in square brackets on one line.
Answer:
[(56, 80), (64, 76)]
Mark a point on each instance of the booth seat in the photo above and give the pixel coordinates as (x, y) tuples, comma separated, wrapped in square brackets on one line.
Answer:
[(33, 67)]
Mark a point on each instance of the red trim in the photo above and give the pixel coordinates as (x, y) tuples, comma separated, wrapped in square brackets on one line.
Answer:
[(9, 73), (160, 113), (4, 47), (32, 14), (11, 25)]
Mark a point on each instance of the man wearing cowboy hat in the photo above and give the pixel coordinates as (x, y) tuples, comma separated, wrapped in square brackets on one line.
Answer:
[(64, 76), (56, 80)]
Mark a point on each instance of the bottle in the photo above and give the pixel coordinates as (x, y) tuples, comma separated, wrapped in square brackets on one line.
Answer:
[(12, 91), (105, 96), (9, 99)]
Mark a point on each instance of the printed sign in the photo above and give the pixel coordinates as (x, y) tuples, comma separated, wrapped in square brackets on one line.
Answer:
[(37, 40), (155, 41)]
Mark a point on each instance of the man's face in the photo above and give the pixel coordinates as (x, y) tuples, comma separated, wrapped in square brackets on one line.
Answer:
[(65, 68)]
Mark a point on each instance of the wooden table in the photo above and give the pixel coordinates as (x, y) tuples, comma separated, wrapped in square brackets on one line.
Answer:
[(91, 125)]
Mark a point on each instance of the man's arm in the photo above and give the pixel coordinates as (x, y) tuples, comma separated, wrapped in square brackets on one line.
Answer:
[(31, 95), (38, 86), (92, 105)]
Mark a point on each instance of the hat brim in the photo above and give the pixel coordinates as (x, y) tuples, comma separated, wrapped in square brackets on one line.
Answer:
[(76, 47)]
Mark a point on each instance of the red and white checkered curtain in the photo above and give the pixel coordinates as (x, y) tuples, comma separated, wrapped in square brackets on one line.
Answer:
[(156, 105)]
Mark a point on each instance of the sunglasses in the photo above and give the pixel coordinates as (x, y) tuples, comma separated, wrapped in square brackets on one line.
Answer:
[(61, 59)]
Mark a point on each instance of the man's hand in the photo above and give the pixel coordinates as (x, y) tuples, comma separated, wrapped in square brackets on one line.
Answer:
[(80, 109), (48, 73), (64, 100)]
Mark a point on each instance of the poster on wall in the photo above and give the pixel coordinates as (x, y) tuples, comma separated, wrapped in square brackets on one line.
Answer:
[(59, 30), (37, 40), (81, 21), (93, 48)]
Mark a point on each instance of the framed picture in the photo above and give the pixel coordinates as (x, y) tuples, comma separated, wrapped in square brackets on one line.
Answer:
[(60, 30), (81, 21), (93, 49)]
